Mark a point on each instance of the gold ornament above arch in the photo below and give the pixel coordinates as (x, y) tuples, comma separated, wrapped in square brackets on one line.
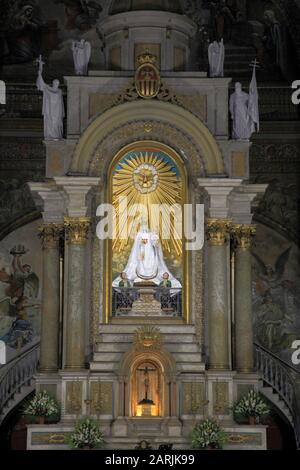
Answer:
[(166, 113)]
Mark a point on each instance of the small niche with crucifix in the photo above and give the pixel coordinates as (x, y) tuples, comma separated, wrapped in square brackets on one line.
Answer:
[(146, 390)]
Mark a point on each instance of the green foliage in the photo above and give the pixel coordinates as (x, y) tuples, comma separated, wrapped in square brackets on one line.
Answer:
[(251, 404), (87, 433), (42, 404), (208, 434)]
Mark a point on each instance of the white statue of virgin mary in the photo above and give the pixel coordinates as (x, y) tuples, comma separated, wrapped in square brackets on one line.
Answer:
[(146, 261)]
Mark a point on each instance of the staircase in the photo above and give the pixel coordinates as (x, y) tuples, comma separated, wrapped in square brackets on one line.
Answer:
[(237, 60), (179, 340), (277, 401), (280, 383), (16, 379)]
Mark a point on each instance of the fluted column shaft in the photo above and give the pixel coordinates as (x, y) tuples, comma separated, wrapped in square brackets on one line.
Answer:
[(76, 233), (243, 298), (218, 305), (49, 349)]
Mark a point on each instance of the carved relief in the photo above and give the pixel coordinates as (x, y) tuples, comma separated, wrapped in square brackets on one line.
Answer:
[(220, 398), (193, 398), (147, 338), (74, 397), (145, 130), (101, 398)]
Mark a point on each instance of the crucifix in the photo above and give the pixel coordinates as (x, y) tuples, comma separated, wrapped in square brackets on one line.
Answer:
[(146, 371), (255, 64), (40, 63)]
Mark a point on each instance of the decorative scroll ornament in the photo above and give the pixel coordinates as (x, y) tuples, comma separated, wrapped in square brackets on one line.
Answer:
[(242, 235), (147, 338), (217, 231), (77, 229), (147, 76)]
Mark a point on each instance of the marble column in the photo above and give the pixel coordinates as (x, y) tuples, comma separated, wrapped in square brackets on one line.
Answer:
[(49, 352), (242, 234), (77, 229), (218, 301)]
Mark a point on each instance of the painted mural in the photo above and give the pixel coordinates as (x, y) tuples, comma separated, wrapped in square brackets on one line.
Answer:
[(32, 27), (20, 288), (276, 292)]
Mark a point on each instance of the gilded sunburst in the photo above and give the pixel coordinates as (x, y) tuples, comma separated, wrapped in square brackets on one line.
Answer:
[(148, 178)]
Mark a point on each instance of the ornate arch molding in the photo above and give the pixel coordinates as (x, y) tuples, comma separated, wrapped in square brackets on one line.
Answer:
[(151, 120), (161, 356)]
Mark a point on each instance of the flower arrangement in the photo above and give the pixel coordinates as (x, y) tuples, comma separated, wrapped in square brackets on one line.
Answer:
[(42, 405), (87, 434), (208, 435), (251, 406)]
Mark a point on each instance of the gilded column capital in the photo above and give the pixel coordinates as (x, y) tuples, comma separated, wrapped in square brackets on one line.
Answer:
[(77, 229), (242, 235), (217, 231), (50, 234)]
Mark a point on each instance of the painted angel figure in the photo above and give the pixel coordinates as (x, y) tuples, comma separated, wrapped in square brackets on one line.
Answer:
[(20, 286), (81, 56), (53, 106), (270, 277), (216, 57)]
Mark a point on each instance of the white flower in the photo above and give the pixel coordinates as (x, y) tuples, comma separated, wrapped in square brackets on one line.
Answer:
[(42, 405)]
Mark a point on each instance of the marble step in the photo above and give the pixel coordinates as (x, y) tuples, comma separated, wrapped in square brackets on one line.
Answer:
[(117, 356), (170, 339), (123, 347), (183, 367), (131, 327)]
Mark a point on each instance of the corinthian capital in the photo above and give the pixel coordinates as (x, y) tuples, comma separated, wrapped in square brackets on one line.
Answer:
[(50, 235), (77, 229), (242, 235), (217, 231)]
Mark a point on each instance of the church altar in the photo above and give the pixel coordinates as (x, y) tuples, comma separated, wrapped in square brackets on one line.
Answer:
[(153, 336)]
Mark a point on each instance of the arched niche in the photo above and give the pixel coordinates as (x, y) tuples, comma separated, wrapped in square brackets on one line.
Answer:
[(152, 120), (163, 369)]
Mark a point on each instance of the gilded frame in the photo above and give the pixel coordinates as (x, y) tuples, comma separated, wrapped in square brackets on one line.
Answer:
[(107, 281)]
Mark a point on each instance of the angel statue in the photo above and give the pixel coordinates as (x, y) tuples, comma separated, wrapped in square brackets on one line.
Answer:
[(216, 56), (81, 56)]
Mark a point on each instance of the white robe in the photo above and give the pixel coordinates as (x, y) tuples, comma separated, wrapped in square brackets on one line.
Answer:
[(242, 123), (53, 110), (81, 57), (146, 261)]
